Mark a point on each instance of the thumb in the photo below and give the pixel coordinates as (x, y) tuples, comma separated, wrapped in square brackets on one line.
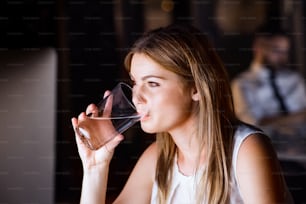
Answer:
[(113, 143)]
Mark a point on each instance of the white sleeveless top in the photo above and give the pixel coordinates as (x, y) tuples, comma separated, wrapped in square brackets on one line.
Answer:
[(183, 187)]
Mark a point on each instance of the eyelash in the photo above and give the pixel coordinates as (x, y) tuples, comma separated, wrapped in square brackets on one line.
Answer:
[(153, 84), (150, 83)]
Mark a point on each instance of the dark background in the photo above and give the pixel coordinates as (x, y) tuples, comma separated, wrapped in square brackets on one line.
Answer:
[(91, 39)]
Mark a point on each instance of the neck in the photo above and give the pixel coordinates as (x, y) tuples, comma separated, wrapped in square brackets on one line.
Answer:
[(188, 158), (189, 163)]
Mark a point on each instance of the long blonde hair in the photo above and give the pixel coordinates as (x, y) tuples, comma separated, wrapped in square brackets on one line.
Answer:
[(186, 51)]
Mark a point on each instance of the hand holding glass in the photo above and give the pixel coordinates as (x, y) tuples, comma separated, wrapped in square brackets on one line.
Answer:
[(116, 113)]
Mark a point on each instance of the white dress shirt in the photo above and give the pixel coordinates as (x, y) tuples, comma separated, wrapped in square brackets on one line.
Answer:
[(254, 98)]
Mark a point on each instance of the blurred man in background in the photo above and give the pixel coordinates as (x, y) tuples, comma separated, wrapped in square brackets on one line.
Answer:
[(272, 95), (269, 92)]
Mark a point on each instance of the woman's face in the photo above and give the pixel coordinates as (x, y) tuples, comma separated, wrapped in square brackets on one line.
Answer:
[(165, 102)]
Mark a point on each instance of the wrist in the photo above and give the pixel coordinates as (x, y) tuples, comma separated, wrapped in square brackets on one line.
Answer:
[(95, 169), (94, 184)]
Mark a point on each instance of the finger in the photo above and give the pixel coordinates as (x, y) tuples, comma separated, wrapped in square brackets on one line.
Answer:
[(79, 142), (99, 109), (82, 116), (92, 110), (106, 93), (110, 146), (108, 106), (74, 122)]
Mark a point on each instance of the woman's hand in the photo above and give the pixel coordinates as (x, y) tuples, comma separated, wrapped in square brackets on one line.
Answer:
[(94, 158)]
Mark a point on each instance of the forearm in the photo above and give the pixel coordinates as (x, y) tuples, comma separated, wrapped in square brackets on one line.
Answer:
[(94, 185)]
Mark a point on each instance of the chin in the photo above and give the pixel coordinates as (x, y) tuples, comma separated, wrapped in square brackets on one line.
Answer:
[(148, 129)]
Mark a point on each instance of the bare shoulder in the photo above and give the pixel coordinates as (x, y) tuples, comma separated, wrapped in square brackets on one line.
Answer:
[(149, 156), (255, 145), (258, 172), (151, 150), (147, 162), (257, 153)]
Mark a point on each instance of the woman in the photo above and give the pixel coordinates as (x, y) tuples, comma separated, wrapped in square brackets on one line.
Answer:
[(202, 153)]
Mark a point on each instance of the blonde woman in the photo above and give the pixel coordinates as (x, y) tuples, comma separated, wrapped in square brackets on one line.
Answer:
[(202, 153)]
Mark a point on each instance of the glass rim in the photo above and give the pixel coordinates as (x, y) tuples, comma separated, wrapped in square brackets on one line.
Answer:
[(121, 84)]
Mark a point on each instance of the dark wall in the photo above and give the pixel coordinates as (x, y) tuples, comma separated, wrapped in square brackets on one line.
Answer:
[(90, 51), (89, 62), (92, 64), (27, 24)]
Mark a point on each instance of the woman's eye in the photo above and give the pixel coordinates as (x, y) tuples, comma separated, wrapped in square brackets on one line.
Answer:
[(153, 84)]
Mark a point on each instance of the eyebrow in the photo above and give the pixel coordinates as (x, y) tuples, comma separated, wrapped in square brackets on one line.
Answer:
[(152, 76), (149, 76)]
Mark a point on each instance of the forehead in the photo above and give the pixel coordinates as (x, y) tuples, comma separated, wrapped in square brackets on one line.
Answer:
[(142, 65)]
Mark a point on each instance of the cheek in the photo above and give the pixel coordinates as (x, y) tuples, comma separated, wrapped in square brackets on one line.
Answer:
[(173, 110), (176, 104)]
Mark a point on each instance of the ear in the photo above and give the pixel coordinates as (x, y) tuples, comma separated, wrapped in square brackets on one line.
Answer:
[(195, 94)]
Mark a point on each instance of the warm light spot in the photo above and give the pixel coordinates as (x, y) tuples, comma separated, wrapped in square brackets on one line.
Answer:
[(167, 5)]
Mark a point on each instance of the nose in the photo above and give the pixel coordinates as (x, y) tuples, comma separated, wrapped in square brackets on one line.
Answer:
[(138, 95)]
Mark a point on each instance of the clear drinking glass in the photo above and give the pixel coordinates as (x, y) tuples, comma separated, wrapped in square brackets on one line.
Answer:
[(116, 113)]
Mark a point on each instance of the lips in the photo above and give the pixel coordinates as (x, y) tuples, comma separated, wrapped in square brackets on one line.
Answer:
[(144, 115)]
